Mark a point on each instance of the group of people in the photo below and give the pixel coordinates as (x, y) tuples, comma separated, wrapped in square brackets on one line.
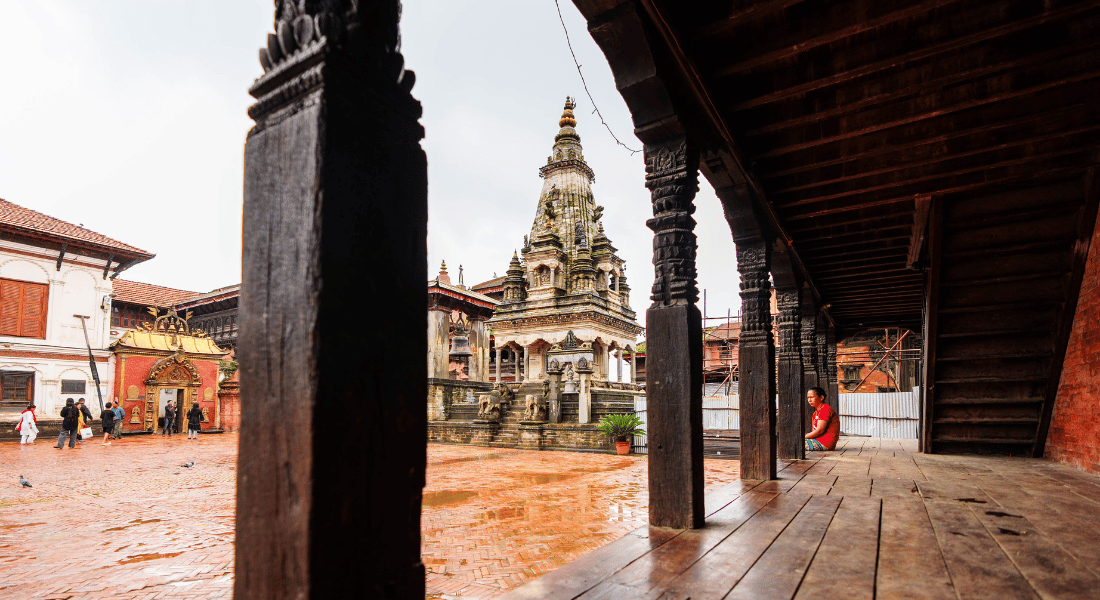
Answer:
[(76, 417), (194, 419)]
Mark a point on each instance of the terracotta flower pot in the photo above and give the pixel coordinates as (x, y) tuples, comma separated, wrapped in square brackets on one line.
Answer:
[(622, 447)]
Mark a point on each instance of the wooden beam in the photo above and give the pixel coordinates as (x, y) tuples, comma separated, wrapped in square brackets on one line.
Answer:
[(943, 103), (985, 180), (335, 203), (1085, 229), (1002, 157), (813, 80), (61, 255), (1062, 105), (800, 40), (920, 227), (1071, 129), (931, 324)]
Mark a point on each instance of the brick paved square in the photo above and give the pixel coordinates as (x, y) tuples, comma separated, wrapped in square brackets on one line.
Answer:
[(127, 521)]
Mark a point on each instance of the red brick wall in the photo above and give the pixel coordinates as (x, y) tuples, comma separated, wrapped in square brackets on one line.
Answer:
[(1074, 436), (136, 372)]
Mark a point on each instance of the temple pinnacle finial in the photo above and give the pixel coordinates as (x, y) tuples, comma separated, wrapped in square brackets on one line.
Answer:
[(443, 267), (567, 119)]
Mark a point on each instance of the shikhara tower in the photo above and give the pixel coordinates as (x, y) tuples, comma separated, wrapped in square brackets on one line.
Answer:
[(569, 278)]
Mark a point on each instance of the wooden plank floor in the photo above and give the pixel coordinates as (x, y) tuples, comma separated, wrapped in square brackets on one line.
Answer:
[(872, 519)]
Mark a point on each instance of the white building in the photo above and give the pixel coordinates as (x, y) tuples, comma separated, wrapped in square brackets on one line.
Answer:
[(51, 271)]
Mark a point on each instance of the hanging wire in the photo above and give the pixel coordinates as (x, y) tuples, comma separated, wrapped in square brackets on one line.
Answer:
[(595, 109)]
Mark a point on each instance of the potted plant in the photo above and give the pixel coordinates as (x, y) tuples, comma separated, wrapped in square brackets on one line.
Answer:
[(620, 426)]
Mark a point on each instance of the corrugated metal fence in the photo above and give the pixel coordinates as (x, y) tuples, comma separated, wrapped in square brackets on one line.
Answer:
[(719, 412), (891, 415)]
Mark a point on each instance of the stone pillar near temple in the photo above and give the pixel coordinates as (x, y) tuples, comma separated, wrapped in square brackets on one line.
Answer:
[(497, 365), (479, 339), (634, 366), (674, 366), (553, 371), (439, 342), (515, 365), (756, 361), (619, 365), (229, 395), (335, 210), (809, 363), (791, 444), (584, 397)]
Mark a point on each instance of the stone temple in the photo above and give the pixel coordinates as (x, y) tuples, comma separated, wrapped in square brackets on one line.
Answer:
[(564, 311), (566, 303)]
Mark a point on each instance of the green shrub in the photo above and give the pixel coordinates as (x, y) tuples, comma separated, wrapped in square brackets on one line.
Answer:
[(620, 426)]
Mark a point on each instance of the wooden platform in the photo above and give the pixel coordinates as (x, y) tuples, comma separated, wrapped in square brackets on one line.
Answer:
[(873, 519)]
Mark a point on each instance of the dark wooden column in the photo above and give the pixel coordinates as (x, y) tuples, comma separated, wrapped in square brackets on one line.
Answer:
[(809, 355), (674, 351), (822, 337), (756, 360), (791, 392), (830, 365), (333, 434)]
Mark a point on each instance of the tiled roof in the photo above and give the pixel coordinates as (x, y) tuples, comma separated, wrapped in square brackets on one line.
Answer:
[(492, 283), (462, 291), (30, 222), (225, 292), (150, 295)]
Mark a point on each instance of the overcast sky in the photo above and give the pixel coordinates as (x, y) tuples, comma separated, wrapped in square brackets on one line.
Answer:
[(129, 117)]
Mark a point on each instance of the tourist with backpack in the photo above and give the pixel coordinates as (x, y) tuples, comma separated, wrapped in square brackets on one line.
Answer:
[(70, 421)]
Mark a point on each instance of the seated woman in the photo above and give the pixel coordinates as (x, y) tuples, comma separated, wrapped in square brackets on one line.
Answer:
[(825, 423)]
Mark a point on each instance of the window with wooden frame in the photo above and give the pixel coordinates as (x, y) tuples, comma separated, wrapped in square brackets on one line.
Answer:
[(23, 308), (16, 390)]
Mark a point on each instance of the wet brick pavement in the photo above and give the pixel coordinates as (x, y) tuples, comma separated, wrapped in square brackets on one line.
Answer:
[(127, 521), (495, 519), (119, 521)]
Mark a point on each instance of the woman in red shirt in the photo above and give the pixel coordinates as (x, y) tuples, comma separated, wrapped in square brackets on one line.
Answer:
[(825, 423)]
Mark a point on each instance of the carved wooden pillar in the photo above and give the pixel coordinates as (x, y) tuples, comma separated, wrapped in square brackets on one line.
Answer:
[(830, 365), (809, 365), (335, 211), (822, 357), (674, 367), (791, 400), (756, 360)]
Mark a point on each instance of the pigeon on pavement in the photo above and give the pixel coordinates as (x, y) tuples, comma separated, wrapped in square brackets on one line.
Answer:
[(188, 464), (24, 481)]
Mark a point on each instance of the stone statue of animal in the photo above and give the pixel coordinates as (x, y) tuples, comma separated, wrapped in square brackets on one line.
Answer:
[(535, 410), (489, 405)]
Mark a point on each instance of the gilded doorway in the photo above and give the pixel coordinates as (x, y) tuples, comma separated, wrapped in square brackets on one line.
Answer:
[(171, 372)]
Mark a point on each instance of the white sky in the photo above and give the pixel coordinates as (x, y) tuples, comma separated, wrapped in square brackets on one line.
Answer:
[(129, 117)]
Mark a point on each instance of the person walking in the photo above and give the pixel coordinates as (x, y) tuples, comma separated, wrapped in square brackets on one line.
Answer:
[(85, 420), (70, 420), (120, 413), (28, 426), (194, 421), (169, 418), (107, 419)]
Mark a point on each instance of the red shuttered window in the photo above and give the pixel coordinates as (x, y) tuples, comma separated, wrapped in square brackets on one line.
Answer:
[(23, 308)]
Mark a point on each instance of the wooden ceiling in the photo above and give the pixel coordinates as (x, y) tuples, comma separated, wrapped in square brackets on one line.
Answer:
[(844, 112)]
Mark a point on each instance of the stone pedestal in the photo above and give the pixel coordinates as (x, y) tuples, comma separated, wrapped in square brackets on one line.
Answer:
[(229, 395), (530, 435)]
